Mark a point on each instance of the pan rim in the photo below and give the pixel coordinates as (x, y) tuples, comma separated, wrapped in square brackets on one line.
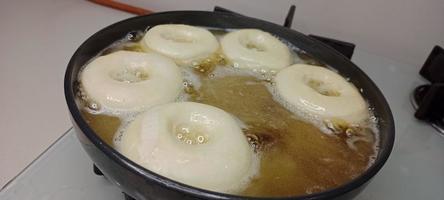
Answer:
[(201, 193)]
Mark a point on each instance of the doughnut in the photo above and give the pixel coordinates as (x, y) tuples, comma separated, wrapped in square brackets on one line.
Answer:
[(255, 49), (128, 81), (185, 44), (193, 143), (321, 93)]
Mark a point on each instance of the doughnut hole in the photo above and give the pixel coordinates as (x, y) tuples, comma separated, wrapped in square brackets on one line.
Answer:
[(130, 75), (190, 134), (178, 36), (322, 87), (253, 43), (256, 50)]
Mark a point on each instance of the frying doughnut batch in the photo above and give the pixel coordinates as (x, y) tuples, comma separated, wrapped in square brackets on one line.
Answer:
[(255, 49), (182, 43), (199, 144), (127, 80), (321, 93), (193, 143)]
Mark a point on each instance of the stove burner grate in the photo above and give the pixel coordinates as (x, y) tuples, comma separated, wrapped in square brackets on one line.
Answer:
[(428, 99)]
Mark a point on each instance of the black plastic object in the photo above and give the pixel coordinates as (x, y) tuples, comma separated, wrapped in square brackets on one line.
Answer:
[(345, 48), (430, 100), (288, 19), (128, 197), (290, 15), (418, 94), (433, 68), (97, 171), (222, 9), (143, 184)]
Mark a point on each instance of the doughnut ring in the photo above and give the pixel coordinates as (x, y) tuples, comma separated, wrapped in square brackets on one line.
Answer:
[(321, 92), (126, 80), (183, 43), (192, 143), (255, 49)]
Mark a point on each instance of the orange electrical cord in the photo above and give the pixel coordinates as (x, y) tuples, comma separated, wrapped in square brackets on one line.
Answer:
[(123, 7)]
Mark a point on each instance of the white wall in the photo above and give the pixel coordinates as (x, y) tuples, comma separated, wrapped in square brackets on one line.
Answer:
[(404, 30)]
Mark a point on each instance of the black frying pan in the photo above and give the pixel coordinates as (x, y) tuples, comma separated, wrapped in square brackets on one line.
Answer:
[(143, 184)]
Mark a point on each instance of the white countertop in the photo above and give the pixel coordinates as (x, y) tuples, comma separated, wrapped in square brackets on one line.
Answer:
[(37, 40), (39, 37), (413, 171)]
